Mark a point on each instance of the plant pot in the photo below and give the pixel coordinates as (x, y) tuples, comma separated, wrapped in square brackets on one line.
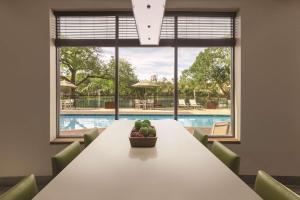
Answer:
[(211, 105), (142, 141)]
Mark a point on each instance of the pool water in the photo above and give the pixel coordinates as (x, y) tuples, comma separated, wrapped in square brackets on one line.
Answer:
[(73, 122)]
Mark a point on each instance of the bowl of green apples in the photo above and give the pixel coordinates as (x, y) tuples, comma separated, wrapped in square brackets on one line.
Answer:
[(143, 134)]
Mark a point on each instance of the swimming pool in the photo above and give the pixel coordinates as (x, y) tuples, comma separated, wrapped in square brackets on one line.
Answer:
[(73, 122)]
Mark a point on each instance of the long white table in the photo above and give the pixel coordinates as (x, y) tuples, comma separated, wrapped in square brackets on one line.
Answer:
[(178, 168)]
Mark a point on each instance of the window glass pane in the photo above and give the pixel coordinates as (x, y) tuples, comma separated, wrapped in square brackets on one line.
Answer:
[(146, 83), (86, 89), (204, 82)]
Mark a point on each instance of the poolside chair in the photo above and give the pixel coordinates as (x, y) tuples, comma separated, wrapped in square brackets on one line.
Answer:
[(26, 189), (150, 104), (270, 189), (194, 104), (63, 158), (138, 104), (181, 103), (221, 128), (228, 157), (200, 137), (90, 136)]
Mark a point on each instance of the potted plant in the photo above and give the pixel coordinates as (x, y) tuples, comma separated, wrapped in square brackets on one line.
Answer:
[(143, 134), (211, 104)]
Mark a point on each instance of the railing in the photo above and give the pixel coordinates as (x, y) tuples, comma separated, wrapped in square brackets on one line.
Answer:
[(95, 101)]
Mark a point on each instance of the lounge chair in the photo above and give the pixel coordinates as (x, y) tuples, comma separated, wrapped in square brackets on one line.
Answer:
[(181, 103), (221, 128), (194, 104)]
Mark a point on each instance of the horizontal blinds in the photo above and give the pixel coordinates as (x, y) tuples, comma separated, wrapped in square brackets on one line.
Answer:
[(167, 29), (127, 28), (205, 27), (86, 27), (191, 30)]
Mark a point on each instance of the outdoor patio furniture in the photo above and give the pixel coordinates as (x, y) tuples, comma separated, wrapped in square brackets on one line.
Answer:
[(194, 104), (138, 104), (150, 104), (66, 104), (181, 103), (221, 128)]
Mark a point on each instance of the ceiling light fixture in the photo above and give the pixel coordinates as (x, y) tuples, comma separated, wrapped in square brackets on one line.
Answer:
[(148, 16)]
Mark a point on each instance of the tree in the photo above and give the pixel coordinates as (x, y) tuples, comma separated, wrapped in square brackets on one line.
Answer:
[(127, 76), (83, 67), (209, 72), (81, 64)]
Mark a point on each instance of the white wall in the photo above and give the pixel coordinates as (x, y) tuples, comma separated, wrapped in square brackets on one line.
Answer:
[(269, 81)]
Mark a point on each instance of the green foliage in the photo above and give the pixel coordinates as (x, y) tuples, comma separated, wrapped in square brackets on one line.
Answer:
[(144, 131), (144, 124), (84, 67), (152, 132), (210, 74), (146, 121), (138, 125)]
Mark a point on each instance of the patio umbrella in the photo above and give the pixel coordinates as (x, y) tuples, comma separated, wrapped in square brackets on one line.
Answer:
[(67, 84), (145, 85), (66, 87)]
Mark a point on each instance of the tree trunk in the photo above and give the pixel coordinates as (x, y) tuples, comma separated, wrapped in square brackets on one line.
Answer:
[(73, 80)]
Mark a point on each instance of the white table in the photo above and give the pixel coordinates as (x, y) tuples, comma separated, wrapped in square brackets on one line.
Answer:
[(178, 168)]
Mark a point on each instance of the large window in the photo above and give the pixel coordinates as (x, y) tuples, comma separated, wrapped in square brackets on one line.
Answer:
[(148, 90), (105, 75)]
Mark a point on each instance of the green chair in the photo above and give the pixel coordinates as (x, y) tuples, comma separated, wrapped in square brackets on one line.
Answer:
[(90, 136), (227, 156), (63, 158), (270, 189), (26, 189), (200, 137)]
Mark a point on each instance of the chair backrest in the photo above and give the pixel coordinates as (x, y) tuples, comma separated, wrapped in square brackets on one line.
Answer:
[(193, 102), (150, 101), (26, 189), (201, 137), (63, 158), (136, 101), (181, 102), (228, 157), (90, 136), (270, 189), (221, 128)]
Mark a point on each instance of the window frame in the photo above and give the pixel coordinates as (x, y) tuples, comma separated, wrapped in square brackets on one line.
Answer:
[(174, 43)]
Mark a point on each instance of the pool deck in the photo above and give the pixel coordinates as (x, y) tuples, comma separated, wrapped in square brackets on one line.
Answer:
[(132, 111)]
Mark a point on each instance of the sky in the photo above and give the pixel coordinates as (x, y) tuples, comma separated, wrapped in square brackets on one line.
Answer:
[(158, 61)]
